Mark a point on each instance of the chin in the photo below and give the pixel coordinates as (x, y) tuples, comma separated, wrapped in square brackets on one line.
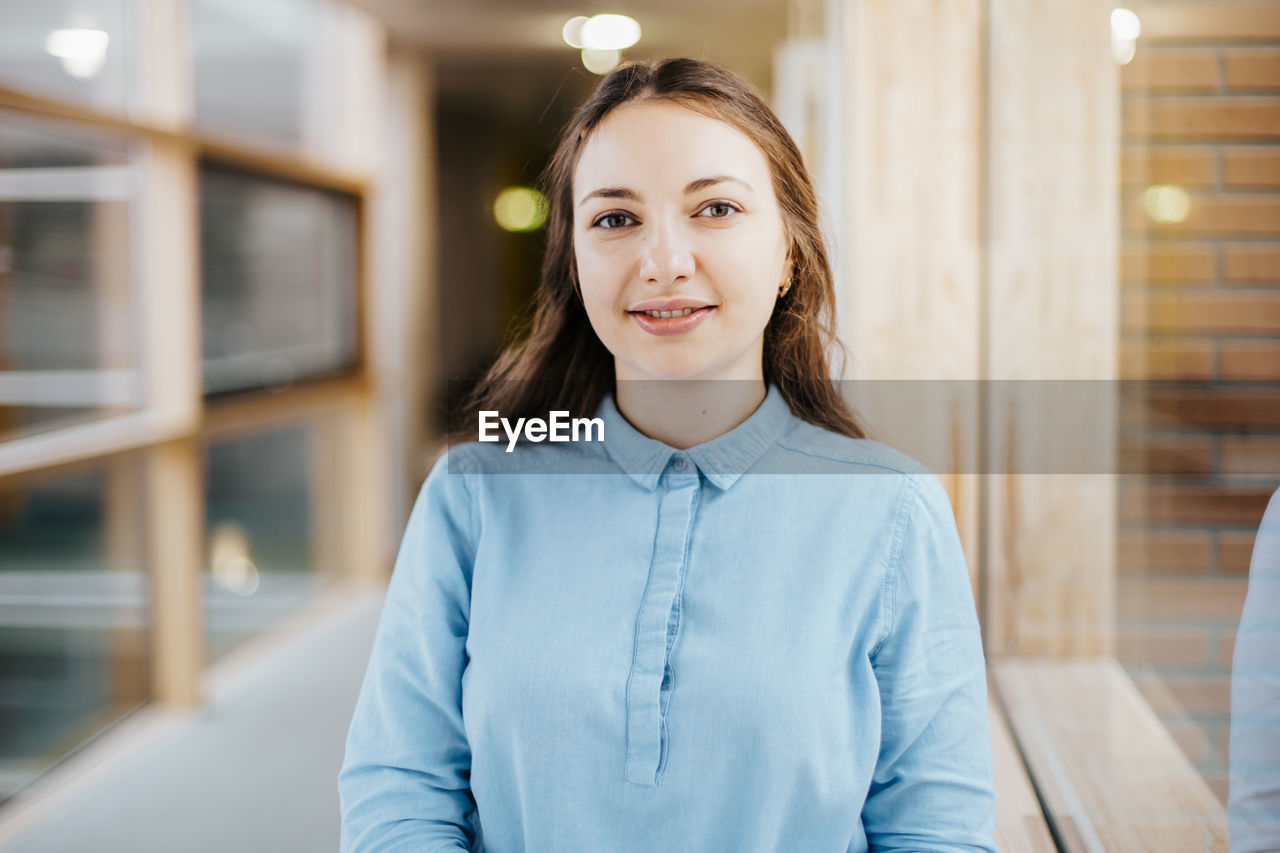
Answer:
[(672, 374), (669, 369)]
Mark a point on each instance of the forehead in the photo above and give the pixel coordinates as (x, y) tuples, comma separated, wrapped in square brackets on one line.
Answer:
[(666, 144)]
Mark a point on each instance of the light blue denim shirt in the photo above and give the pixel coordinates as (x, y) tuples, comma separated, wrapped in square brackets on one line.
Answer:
[(1253, 807), (763, 643)]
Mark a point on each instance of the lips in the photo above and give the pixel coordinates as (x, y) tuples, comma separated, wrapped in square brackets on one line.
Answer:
[(667, 315), (678, 321), (674, 304)]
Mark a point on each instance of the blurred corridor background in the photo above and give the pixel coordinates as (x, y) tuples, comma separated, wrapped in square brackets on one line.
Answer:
[(248, 250)]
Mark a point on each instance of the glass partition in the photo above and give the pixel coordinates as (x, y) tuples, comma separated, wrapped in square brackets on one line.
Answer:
[(264, 556), (67, 348), (74, 50), (1201, 322), (253, 65), (73, 613), (278, 281), (234, 504)]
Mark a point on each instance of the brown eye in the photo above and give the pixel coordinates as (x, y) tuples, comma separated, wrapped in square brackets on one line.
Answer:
[(721, 205)]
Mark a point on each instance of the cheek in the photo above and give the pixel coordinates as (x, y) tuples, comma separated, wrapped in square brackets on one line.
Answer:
[(760, 248), (595, 288), (599, 291), (753, 268), (599, 277)]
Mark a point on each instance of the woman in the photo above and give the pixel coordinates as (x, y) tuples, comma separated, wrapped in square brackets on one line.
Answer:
[(654, 642), (1253, 805)]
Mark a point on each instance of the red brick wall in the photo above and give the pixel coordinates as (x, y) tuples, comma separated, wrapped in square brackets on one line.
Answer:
[(1200, 302)]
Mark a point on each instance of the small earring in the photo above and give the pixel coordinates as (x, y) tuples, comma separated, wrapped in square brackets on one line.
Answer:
[(782, 291)]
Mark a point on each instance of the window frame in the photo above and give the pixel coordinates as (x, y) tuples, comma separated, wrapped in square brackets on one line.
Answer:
[(176, 421)]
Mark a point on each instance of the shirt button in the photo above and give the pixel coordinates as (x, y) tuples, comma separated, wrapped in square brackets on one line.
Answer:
[(679, 463)]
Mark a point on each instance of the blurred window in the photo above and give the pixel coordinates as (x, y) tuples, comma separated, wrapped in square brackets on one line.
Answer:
[(73, 50), (67, 352), (287, 88), (255, 67), (73, 610), (278, 270), (261, 503)]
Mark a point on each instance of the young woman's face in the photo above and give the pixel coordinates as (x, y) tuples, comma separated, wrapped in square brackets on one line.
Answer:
[(675, 210)]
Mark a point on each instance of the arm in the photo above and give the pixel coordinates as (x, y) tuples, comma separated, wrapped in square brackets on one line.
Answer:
[(1253, 807), (404, 783), (932, 788)]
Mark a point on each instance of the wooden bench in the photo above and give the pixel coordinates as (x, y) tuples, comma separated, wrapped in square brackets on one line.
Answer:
[(1020, 823), (1109, 774)]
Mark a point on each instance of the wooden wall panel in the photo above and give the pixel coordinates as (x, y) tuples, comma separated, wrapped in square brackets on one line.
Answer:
[(174, 481), (1051, 309), (912, 235), (911, 239)]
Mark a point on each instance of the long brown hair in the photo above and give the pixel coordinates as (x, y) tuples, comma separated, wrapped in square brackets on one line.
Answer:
[(559, 364)]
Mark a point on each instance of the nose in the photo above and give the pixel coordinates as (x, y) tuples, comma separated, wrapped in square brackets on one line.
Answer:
[(666, 256)]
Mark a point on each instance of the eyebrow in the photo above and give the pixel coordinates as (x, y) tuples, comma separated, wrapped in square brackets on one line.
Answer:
[(692, 187)]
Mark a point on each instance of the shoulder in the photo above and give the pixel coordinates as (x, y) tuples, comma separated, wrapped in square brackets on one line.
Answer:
[(810, 448), (1271, 518), (854, 455), (921, 497), (446, 488), (1264, 566), (874, 475), (475, 457)]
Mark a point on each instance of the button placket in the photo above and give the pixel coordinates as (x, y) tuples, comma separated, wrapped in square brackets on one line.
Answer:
[(646, 729)]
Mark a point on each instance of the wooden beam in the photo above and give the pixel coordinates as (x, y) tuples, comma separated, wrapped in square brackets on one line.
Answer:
[(910, 239), (167, 289), (262, 409), (174, 502), (233, 152), (1051, 313)]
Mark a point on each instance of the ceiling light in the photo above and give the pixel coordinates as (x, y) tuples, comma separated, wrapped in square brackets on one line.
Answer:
[(82, 51), (600, 61), (1125, 24), (610, 32), (572, 31), (520, 209)]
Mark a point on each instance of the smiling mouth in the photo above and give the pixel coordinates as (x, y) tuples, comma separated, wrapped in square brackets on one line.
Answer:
[(677, 321), (665, 315)]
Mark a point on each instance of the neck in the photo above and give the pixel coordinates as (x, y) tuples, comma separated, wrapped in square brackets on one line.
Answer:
[(685, 413)]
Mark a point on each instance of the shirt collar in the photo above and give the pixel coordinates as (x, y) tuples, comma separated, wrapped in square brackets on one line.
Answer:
[(722, 460)]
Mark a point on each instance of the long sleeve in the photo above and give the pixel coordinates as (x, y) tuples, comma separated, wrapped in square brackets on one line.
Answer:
[(1253, 808), (932, 786), (405, 779)]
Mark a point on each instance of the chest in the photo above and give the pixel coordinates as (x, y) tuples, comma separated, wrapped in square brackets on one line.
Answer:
[(763, 599)]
